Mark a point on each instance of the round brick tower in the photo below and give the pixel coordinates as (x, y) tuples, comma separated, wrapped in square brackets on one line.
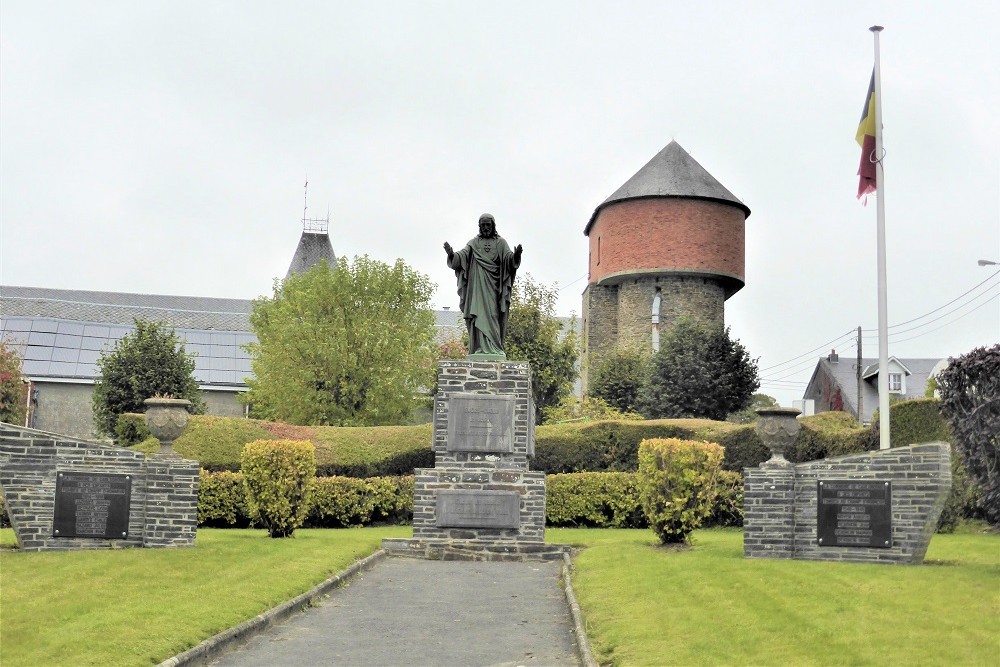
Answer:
[(667, 244)]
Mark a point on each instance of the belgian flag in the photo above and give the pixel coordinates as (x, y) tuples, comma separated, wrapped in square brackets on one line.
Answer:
[(866, 138)]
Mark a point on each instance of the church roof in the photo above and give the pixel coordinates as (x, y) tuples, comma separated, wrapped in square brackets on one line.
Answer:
[(671, 173), (313, 247)]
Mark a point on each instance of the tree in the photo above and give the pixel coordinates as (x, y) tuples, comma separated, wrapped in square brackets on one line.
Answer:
[(699, 371), (12, 386), (150, 361), (535, 335), (970, 401), (749, 415), (347, 346), (618, 378)]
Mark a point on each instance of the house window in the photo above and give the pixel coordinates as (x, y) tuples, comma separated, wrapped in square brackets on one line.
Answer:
[(896, 382)]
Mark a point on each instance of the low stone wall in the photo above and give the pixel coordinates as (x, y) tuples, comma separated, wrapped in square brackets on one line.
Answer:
[(162, 499), (781, 504)]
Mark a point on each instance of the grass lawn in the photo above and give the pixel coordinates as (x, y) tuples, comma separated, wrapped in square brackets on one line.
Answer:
[(141, 606), (707, 605), (644, 605)]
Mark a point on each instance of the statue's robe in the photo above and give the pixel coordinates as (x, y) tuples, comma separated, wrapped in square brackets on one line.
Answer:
[(485, 270)]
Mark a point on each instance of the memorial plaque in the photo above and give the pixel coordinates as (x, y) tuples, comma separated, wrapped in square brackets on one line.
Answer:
[(478, 509), (480, 423), (92, 505), (854, 513)]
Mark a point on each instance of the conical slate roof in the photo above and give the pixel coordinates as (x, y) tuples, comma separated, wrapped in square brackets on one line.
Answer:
[(671, 173), (313, 247)]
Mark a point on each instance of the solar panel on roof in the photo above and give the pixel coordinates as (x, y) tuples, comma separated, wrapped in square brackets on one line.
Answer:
[(46, 326), (96, 330), (41, 338), (65, 354), (37, 353), (68, 340), (65, 327)]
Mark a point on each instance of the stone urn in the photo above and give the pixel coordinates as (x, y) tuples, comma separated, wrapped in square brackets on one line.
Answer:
[(778, 429), (167, 418)]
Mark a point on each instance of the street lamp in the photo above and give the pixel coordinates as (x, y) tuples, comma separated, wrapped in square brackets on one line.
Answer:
[(986, 262)]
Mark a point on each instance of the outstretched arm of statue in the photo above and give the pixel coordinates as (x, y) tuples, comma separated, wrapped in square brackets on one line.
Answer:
[(448, 249), (517, 254)]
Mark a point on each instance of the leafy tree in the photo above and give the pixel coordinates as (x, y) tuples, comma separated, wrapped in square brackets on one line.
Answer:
[(348, 346), (618, 378), (970, 401), (12, 386), (535, 335), (147, 362), (749, 415), (699, 371)]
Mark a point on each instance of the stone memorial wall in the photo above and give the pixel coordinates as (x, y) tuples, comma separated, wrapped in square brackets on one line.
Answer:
[(881, 506), (480, 501), (64, 494)]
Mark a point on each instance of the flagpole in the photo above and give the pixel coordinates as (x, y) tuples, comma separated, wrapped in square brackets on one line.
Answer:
[(883, 326)]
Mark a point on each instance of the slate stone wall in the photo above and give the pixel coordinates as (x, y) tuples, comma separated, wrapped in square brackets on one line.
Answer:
[(493, 486), (780, 503), (163, 509)]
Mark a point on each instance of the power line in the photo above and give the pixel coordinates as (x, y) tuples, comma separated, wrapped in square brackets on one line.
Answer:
[(893, 326), (948, 324), (940, 317), (825, 345)]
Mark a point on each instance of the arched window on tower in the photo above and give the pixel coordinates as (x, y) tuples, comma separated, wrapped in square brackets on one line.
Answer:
[(655, 321)]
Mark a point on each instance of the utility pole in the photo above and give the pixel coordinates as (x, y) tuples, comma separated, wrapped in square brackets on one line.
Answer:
[(861, 396)]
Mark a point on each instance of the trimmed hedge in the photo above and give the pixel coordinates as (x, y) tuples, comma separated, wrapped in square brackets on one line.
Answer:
[(341, 502), (131, 429), (370, 451), (594, 499)]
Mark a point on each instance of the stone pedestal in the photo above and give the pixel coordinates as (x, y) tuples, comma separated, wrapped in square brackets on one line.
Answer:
[(480, 501)]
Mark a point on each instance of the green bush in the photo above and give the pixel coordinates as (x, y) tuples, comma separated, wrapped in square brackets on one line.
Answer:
[(222, 501), (131, 429), (340, 502), (678, 482), (910, 422), (594, 499), (727, 509), (369, 451), (4, 517), (278, 477), (963, 499)]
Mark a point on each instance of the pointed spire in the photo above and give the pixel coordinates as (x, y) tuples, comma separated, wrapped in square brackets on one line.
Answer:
[(312, 248), (671, 173)]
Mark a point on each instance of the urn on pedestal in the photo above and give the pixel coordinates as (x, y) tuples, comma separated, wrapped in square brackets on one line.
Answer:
[(778, 429), (167, 418)]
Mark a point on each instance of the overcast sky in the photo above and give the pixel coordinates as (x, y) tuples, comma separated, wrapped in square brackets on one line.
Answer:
[(162, 147)]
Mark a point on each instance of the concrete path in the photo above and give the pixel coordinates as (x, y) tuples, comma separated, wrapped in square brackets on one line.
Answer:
[(415, 612)]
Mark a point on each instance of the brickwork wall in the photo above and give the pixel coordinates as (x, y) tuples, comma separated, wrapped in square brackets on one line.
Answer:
[(780, 524), (163, 502), (485, 377), (530, 487), (473, 475), (668, 234)]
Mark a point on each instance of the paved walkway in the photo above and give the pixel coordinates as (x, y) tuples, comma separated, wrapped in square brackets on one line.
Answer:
[(415, 612)]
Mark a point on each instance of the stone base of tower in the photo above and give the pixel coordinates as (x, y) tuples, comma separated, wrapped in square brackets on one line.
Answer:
[(620, 313)]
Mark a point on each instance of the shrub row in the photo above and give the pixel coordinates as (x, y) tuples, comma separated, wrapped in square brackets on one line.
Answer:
[(597, 500), (335, 502)]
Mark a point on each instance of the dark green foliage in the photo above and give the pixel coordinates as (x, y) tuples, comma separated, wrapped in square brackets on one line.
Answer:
[(13, 389), (534, 334), (131, 429), (699, 372), (150, 361), (349, 346), (341, 502), (727, 509), (594, 499), (963, 500), (278, 479), (619, 377), (608, 446), (749, 414), (4, 517), (911, 422), (222, 501), (970, 401), (335, 502)]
